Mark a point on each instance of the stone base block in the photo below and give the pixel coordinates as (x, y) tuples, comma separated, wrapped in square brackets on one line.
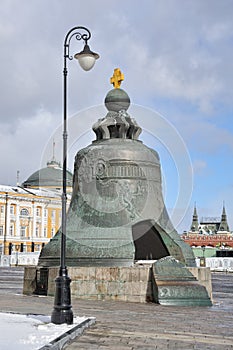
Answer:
[(29, 284), (132, 284)]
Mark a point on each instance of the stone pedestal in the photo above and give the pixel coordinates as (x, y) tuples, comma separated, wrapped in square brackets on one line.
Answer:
[(132, 284)]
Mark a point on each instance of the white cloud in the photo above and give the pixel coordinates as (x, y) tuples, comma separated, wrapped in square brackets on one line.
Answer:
[(22, 146), (218, 31), (199, 166), (207, 137), (178, 52)]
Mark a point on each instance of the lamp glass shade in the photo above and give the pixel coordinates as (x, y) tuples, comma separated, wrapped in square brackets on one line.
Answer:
[(86, 62), (86, 58)]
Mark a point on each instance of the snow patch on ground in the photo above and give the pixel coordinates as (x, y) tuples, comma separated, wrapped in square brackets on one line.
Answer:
[(31, 332)]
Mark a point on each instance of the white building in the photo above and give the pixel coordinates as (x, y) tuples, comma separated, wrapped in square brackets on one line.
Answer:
[(31, 214)]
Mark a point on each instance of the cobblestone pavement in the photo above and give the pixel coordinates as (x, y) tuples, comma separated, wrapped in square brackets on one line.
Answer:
[(11, 280), (124, 326)]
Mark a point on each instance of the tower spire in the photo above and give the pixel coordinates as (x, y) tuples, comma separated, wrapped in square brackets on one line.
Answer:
[(224, 225), (53, 162), (194, 225), (53, 151)]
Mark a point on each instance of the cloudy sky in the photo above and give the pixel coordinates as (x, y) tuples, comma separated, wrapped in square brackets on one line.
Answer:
[(176, 56)]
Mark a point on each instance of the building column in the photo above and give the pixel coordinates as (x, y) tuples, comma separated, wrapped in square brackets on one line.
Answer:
[(42, 220), (17, 223), (33, 233), (6, 225)]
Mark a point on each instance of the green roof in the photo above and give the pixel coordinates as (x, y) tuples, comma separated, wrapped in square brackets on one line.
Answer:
[(51, 176)]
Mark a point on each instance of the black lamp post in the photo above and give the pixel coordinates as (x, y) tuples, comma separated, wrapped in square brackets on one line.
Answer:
[(62, 312)]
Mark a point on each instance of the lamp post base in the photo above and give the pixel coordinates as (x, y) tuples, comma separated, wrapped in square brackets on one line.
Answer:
[(62, 312)]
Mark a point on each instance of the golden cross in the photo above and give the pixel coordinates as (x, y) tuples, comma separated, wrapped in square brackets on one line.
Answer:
[(117, 78)]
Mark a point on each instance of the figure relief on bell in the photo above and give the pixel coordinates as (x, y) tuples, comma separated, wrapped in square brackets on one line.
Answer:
[(101, 169), (85, 168)]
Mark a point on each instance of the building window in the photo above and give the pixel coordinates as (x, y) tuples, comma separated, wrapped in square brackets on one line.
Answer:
[(1, 230), (11, 230), (45, 213), (23, 231), (37, 231), (37, 211), (53, 215), (45, 232), (2, 209), (12, 211), (24, 212)]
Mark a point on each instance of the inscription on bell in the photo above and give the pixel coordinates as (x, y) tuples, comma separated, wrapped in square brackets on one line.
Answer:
[(114, 170)]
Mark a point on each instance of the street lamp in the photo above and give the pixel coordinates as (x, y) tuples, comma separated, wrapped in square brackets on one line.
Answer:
[(62, 312), (202, 259), (203, 250)]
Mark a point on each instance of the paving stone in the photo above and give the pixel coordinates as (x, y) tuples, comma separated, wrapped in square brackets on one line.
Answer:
[(124, 325)]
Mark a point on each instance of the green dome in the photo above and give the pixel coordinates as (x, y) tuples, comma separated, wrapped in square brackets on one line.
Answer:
[(51, 176)]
